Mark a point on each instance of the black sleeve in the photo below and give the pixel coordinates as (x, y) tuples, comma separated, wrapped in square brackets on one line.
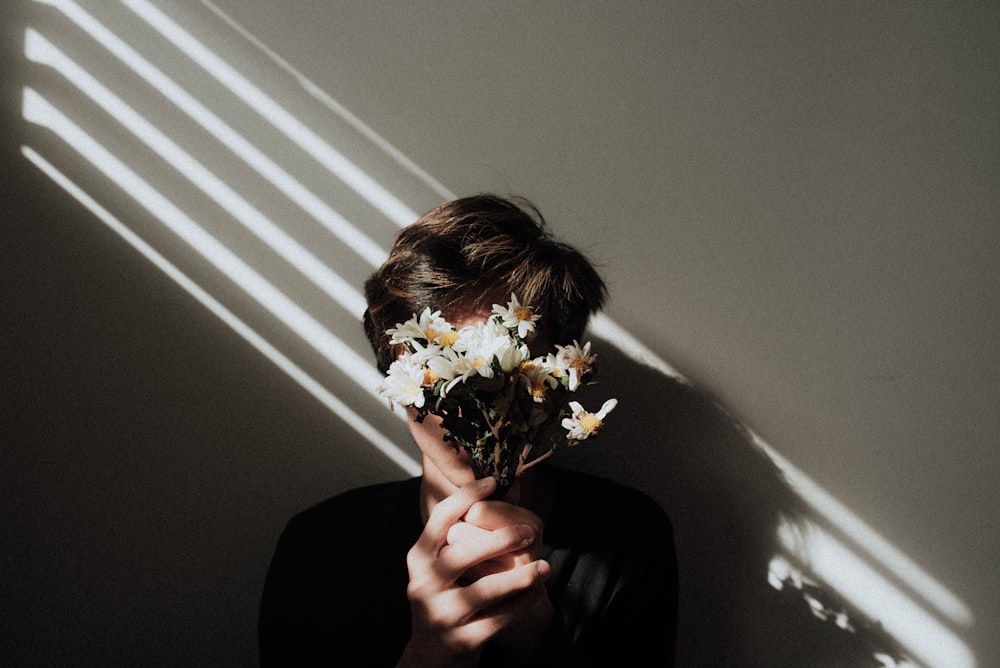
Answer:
[(288, 627), (336, 585), (639, 625), (616, 582)]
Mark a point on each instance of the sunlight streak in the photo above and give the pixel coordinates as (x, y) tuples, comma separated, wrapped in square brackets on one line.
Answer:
[(876, 597), (620, 338), (340, 227), (360, 370), (871, 541), (310, 142), (828, 507), (307, 382), (40, 50), (318, 93)]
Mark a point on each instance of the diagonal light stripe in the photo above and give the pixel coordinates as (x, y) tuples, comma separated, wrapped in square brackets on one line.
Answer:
[(821, 501), (307, 382), (310, 142), (618, 336), (240, 146), (38, 110), (318, 93), (828, 507), (852, 526), (40, 50), (877, 598)]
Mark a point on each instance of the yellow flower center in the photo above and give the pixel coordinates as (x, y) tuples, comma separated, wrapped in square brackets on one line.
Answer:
[(429, 378), (449, 338), (523, 313), (431, 334), (478, 362), (590, 422), (539, 388)]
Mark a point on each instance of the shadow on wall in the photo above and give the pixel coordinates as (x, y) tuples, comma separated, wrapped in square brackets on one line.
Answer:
[(726, 499)]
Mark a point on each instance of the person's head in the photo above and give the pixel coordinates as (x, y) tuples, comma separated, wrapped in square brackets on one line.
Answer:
[(468, 254)]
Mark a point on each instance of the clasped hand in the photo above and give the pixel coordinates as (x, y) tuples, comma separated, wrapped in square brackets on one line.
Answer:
[(475, 577)]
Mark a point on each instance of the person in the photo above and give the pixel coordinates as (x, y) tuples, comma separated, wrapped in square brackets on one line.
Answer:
[(573, 569)]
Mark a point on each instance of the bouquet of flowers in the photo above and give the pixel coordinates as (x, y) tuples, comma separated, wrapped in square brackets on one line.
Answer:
[(509, 411)]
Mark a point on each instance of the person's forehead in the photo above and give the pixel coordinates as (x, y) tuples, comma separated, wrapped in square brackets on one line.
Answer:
[(460, 318)]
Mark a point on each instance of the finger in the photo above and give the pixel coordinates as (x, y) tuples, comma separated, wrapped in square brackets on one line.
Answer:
[(463, 531), (450, 510), (495, 514), (463, 605), (498, 587), (504, 562), (455, 559)]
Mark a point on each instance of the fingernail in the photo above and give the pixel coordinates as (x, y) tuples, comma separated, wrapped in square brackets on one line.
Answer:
[(526, 533), (544, 569)]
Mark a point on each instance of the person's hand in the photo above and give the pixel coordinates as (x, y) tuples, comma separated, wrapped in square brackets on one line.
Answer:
[(464, 593), (526, 615)]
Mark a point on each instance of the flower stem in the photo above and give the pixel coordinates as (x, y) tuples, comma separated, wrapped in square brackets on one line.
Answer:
[(537, 460)]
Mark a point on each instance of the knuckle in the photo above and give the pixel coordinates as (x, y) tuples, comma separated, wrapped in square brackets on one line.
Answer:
[(465, 643), (441, 619), (454, 555), (414, 558), (519, 536), (527, 576), (416, 590)]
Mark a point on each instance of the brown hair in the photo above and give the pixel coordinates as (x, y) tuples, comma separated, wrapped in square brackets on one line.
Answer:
[(467, 254)]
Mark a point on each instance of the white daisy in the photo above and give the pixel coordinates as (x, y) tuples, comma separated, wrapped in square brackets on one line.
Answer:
[(583, 424), (466, 367), (470, 355), (515, 316), (445, 364), (511, 356), (538, 378), (404, 384), (483, 340), (421, 354), (575, 361), (428, 326)]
